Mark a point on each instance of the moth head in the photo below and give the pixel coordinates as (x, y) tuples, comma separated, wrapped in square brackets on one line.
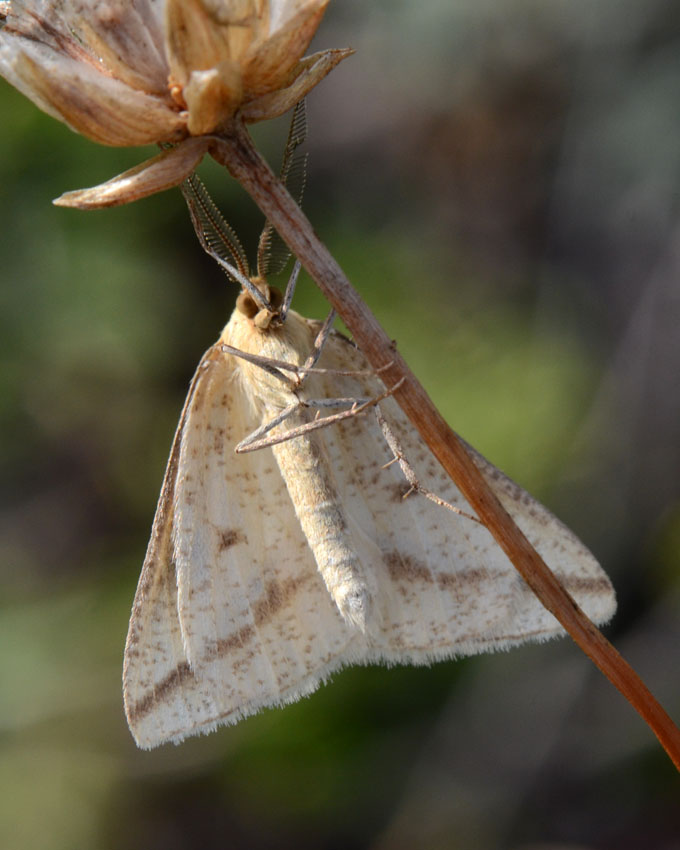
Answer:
[(262, 317)]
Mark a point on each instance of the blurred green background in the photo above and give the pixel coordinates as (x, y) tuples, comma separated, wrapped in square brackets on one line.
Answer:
[(500, 179)]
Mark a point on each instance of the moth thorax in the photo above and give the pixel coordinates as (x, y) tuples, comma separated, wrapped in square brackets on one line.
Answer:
[(262, 317)]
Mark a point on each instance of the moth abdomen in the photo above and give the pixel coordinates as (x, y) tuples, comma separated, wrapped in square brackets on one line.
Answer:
[(306, 472)]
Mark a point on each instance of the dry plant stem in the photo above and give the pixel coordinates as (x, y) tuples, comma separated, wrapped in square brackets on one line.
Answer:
[(237, 153)]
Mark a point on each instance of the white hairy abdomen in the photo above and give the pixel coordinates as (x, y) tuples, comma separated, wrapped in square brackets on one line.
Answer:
[(307, 475), (302, 461)]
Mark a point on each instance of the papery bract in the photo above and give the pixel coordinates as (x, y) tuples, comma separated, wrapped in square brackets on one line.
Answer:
[(134, 72)]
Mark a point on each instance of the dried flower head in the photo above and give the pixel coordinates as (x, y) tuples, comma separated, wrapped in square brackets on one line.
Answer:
[(134, 72)]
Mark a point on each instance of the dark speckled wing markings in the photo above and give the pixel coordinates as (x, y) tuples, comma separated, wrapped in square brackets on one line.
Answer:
[(155, 663), (444, 586), (231, 613)]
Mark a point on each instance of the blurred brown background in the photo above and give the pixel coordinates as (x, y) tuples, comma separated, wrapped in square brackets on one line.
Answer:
[(501, 181)]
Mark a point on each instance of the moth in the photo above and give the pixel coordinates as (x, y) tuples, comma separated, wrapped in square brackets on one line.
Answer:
[(270, 569)]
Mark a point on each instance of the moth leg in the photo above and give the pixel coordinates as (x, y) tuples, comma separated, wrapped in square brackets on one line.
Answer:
[(358, 406), (269, 364), (254, 441), (319, 343), (278, 367), (408, 471), (348, 373), (290, 290)]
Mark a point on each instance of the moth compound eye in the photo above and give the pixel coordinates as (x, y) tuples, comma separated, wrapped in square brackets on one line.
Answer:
[(246, 304), (275, 297)]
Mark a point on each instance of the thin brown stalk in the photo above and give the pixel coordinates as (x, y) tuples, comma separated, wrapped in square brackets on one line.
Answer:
[(238, 154)]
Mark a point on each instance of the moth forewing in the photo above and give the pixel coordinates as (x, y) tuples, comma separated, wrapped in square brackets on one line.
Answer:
[(444, 586), (231, 612), (155, 656)]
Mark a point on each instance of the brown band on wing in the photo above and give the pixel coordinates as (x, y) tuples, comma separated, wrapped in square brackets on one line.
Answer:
[(472, 576), (160, 692), (403, 567), (276, 596), (406, 568), (586, 586)]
